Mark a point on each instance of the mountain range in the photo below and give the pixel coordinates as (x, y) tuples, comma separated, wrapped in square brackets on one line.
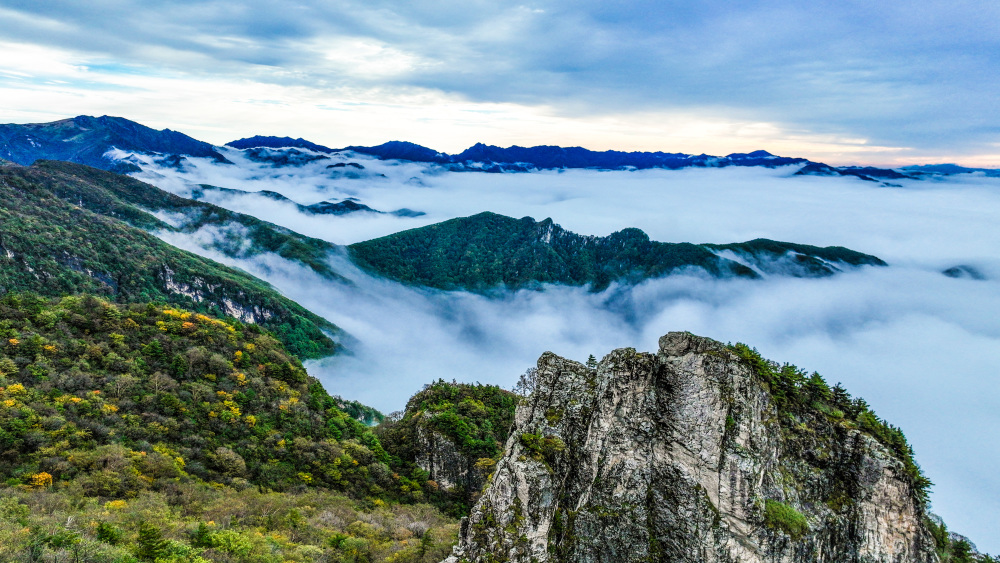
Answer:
[(87, 140)]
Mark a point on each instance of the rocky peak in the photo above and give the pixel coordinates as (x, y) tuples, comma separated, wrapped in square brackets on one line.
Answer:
[(688, 455)]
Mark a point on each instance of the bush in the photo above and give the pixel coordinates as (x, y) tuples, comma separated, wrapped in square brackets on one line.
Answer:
[(785, 518)]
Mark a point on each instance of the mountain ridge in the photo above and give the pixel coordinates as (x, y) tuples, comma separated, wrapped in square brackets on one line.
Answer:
[(488, 250), (65, 229), (86, 140)]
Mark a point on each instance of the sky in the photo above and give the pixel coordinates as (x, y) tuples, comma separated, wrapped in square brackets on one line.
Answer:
[(920, 347), (840, 81)]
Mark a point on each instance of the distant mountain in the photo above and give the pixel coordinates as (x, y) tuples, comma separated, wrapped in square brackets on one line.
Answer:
[(67, 228), (949, 169), (578, 157), (86, 140), (402, 150), (487, 250), (489, 158), (259, 141), (346, 207)]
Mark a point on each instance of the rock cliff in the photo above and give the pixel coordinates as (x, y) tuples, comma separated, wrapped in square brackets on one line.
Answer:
[(697, 453)]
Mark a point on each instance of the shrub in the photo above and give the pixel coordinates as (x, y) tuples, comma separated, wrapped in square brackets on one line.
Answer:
[(785, 518)]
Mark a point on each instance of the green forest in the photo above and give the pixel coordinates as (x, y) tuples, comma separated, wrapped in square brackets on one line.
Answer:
[(63, 231), (489, 251), (146, 432)]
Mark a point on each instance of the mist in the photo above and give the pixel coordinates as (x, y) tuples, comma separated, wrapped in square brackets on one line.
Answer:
[(920, 347)]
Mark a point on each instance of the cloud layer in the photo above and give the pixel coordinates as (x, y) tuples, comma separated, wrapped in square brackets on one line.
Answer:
[(921, 347), (855, 75)]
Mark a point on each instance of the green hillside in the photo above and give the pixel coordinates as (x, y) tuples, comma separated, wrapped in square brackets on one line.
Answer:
[(69, 229), (142, 432), (487, 250)]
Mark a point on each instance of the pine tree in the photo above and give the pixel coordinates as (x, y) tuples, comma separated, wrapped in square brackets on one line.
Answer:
[(151, 542)]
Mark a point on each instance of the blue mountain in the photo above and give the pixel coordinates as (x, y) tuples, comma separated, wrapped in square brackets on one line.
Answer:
[(260, 141), (85, 140)]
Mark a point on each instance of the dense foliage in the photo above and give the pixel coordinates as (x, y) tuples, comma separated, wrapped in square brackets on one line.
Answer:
[(780, 516), (953, 548), (487, 250), (476, 418), (197, 523), (120, 399), (64, 230)]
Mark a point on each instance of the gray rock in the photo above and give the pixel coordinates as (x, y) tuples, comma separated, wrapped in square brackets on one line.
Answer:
[(675, 457)]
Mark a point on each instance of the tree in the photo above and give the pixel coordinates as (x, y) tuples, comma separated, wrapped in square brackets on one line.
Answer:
[(526, 383), (151, 544)]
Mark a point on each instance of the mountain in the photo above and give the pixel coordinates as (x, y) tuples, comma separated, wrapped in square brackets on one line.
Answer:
[(403, 150), (259, 141), (948, 170), (346, 206), (577, 157), (489, 158), (148, 433), (86, 140), (701, 453), (67, 229), (488, 250)]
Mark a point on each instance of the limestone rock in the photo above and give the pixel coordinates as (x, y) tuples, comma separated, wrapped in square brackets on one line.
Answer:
[(680, 456)]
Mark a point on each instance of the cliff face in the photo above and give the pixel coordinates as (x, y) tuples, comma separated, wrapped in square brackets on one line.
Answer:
[(445, 464), (682, 456)]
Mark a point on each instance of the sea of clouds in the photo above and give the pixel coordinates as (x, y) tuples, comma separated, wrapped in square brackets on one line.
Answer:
[(922, 348)]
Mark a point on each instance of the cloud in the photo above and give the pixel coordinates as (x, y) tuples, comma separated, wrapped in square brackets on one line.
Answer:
[(876, 75), (921, 347)]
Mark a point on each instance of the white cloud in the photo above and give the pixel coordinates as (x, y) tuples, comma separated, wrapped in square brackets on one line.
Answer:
[(922, 348)]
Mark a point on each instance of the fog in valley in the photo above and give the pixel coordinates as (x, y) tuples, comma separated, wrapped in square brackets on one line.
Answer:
[(922, 348)]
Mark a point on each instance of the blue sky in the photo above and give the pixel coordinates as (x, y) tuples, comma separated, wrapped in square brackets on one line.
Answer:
[(843, 81)]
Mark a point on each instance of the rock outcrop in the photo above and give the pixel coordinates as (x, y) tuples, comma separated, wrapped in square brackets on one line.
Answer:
[(445, 463), (688, 456)]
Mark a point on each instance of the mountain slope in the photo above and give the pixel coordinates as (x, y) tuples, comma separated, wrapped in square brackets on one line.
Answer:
[(148, 433), (124, 375), (85, 140), (152, 209), (489, 250), (63, 232), (699, 453)]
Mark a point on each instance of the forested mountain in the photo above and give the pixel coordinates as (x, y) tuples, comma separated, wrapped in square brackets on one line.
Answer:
[(488, 250), (151, 433), (69, 229)]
